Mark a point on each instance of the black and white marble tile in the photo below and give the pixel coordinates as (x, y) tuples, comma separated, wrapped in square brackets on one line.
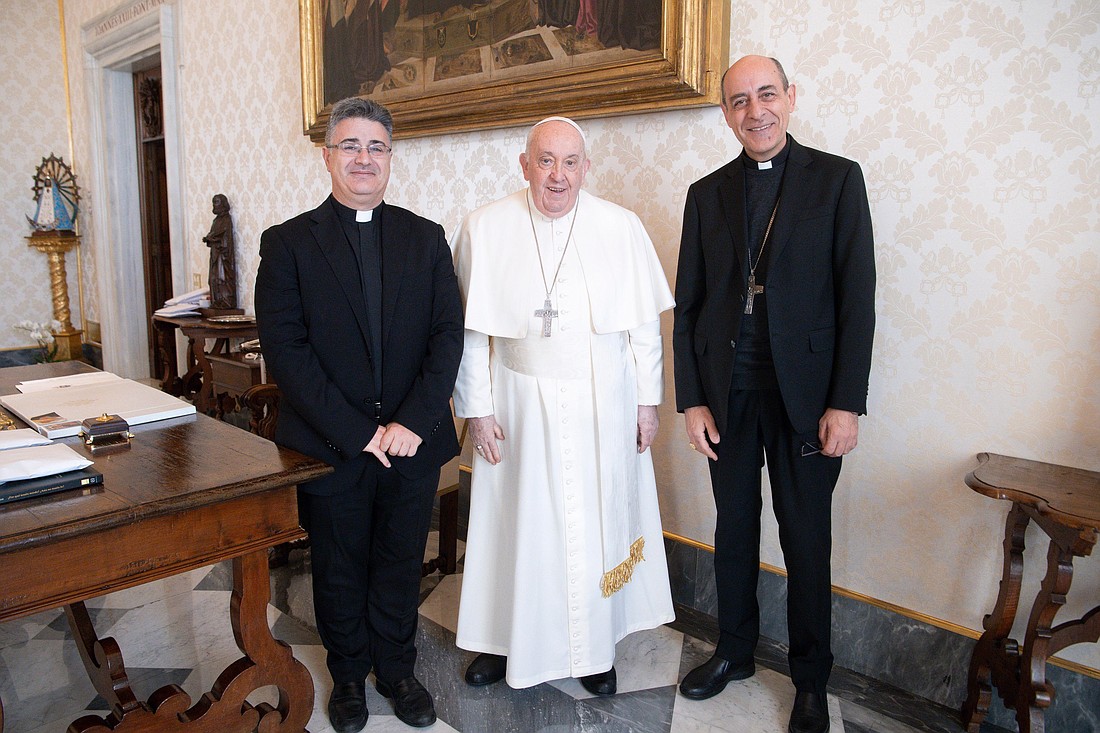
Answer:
[(177, 631)]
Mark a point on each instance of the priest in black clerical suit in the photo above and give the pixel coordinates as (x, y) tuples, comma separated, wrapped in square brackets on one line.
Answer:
[(774, 321), (361, 326)]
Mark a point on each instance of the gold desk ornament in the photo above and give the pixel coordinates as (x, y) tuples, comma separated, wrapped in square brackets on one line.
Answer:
[(56, 198), (105, 433)]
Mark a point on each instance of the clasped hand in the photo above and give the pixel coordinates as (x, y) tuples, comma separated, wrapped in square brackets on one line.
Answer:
[(392, 440)]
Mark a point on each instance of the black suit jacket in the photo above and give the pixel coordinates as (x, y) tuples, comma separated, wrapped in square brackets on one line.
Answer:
[(820, 288), (312, 320)]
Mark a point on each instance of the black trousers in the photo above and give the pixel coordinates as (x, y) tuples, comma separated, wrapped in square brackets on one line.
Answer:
[(367, 549), (802, 487)]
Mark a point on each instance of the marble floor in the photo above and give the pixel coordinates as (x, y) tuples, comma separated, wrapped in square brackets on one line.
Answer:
[(177, 631)]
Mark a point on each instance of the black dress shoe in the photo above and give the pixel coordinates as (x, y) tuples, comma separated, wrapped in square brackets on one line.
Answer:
[(711, 677), (411, 702), (486, 669), (810, 713), (602, 683), (347, 707)]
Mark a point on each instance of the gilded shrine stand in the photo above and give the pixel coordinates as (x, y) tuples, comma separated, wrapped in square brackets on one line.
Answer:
[(1065, 503), (54, 245)]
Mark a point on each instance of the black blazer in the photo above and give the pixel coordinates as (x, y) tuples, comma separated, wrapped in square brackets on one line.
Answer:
[(820, 288), (311, 315)]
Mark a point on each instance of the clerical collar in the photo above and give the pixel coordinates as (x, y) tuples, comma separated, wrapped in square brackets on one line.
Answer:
[(776, 162), (346, 213)]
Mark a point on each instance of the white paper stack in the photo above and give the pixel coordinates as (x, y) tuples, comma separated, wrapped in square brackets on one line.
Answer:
[(43, 460), (55, 407), (187, 304)]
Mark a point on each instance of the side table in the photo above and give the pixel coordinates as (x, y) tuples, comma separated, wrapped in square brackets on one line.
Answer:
[(198, 383), (1065, 503)]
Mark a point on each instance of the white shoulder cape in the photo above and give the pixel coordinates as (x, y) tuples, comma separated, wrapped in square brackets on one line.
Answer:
[(496, 262)]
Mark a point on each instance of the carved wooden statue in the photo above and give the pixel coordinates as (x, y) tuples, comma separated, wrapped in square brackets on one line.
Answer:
[(223, 260)]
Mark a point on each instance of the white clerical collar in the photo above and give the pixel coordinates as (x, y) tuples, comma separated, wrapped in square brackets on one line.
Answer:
[(361, 216), (761, 165)]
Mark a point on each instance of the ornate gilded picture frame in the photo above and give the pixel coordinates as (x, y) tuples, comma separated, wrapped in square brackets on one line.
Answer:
[(445, 66)]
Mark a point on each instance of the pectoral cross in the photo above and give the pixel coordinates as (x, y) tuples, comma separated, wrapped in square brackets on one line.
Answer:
[(752, 292), (546, 313)]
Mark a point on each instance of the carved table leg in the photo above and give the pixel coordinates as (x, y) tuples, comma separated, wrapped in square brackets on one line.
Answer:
[(225, 708), (266, 662), (1036, 694), (994, 649), (103, 660)]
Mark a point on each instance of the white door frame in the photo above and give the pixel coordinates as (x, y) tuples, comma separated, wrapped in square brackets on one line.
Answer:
[(113, 44)]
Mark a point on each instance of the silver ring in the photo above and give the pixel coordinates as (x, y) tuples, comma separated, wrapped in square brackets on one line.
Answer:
[(477, 447)]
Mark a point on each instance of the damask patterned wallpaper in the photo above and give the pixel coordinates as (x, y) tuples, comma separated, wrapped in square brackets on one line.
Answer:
[(975, 124), (32, 107)]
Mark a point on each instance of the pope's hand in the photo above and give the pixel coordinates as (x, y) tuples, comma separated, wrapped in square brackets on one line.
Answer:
[(485, 432), (648, 422)]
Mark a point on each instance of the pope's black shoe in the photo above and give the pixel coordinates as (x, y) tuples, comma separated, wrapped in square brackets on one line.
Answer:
[(810, 713), (347, 707), (411, 702), (711, 677), (486, 669), (601, 683)]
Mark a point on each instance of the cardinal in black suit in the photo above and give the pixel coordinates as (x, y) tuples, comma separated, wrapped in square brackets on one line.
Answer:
[(361, 327), (774, 321)]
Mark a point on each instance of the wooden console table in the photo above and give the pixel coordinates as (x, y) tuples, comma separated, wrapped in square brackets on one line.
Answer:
[(1065, 504), (190, 492), (200, 382)]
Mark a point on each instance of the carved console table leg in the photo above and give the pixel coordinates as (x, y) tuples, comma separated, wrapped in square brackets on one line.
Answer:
[(994, 650), (103, 660), (1035, 693), (225, 708), (266, 662)]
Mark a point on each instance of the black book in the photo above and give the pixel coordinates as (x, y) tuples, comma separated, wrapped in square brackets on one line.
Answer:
[(26, 488)]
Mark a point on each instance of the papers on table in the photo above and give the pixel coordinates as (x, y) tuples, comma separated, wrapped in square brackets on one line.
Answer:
[(40, 460), (21, 438), (72, 380), (55, 407), (187, 304)]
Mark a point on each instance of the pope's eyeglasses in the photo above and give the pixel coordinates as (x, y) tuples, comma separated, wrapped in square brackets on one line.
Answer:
[(351, 148)]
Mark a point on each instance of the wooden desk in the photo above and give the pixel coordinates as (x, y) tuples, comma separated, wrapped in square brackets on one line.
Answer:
[(190, 492), (1065, 503), (198, 383)]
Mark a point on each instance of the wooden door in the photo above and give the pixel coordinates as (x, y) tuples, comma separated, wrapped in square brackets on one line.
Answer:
[(153, 185)]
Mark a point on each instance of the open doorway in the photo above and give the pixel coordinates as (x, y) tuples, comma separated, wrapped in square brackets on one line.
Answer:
[(156, 246)]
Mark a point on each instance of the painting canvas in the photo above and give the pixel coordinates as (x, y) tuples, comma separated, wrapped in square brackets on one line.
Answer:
[(447, 65)]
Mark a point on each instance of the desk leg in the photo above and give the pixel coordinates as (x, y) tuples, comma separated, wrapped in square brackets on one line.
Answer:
[(996, 657), (225, 708), (266, 662)]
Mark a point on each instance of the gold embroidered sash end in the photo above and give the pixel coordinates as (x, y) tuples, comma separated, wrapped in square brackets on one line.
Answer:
[(614, 580)]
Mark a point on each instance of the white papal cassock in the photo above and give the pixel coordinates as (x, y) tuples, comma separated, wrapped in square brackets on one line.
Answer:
[(550, 579)]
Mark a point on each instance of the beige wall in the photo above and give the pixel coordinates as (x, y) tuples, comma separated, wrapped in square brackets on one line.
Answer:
[(975, 125), (32, 110)]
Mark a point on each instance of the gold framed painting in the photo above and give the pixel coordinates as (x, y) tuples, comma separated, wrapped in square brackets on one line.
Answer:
[(445, 66)]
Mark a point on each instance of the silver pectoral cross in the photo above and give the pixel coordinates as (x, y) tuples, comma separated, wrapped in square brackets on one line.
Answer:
[(546, 313), (752, 292)]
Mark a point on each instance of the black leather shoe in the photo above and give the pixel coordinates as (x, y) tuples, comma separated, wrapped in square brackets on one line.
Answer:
[(810, 713), (411, 702), (711, 677), (486, 669), (601, 683), (347, 707)]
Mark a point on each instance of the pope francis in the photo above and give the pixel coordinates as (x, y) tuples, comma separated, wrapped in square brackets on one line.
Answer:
[(559, 381)]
